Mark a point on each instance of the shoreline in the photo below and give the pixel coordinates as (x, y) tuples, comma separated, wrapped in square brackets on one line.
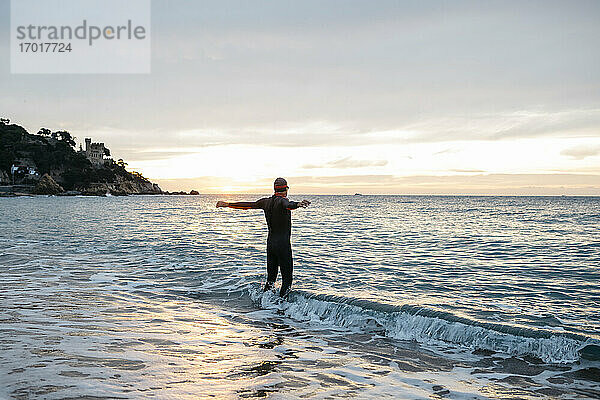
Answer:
[(29, 191)]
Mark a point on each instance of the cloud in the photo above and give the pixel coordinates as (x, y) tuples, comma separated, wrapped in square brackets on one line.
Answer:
[(434, 129), (224, 66), (348, 162), (525, 123), (467, 170), (445, 151), (158, 154), (581, 152)]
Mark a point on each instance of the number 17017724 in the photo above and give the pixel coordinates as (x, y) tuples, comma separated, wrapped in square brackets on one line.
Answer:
[(45, 47)]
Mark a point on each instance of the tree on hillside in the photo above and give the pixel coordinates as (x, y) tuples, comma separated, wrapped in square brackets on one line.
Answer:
[(65, 137), (4, 121), (121, 163), (44, 132), (138, 176)]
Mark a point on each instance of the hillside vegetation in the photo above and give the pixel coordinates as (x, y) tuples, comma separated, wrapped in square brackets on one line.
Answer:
[(53, 153)]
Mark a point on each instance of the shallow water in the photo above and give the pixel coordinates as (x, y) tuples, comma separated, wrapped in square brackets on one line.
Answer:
[(394, 296)]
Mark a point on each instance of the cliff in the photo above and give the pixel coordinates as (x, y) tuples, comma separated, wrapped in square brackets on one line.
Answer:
[(53, 153)]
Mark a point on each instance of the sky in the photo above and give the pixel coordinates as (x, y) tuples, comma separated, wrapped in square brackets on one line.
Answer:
[(386, 97)]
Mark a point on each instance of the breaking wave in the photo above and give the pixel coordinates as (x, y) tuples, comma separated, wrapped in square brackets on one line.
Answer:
[(428, 326)]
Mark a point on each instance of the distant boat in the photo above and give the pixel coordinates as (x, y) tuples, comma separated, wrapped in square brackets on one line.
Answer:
[(358, 194)]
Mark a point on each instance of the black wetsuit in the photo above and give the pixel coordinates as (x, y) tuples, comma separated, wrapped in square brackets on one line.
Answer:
[(279, 249)]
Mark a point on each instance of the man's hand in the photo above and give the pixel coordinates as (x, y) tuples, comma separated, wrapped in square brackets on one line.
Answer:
[(222, 204), (304, 203)]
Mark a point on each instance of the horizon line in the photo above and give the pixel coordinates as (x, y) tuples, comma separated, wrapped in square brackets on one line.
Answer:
[(386, 194)]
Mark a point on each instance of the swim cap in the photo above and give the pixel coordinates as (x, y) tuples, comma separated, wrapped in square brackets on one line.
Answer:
[(280, 185)]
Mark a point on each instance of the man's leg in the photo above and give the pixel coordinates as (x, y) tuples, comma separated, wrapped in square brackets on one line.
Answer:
[(272, 266), (286, 263)]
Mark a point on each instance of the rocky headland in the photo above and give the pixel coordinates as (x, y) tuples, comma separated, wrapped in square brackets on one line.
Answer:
[(47, 163)]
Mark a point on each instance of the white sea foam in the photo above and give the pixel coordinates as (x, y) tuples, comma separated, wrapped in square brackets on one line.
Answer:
[(403, 325)]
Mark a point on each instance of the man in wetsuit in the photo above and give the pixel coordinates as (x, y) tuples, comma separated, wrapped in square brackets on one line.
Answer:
[(279, 220)]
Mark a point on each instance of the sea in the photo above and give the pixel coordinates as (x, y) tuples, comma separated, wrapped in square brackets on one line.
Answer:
[(397, 297)]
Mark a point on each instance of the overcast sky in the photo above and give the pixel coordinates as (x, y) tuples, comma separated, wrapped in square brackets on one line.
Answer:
[(490, 97)]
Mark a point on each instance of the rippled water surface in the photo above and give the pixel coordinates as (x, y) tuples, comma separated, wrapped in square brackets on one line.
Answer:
[(393, 297)]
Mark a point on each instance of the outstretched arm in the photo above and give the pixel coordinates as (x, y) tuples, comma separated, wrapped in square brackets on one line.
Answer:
[(292, 205), (241, 205), (304, 204)]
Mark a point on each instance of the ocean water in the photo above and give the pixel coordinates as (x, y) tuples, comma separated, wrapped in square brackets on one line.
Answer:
[(394, 297)]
